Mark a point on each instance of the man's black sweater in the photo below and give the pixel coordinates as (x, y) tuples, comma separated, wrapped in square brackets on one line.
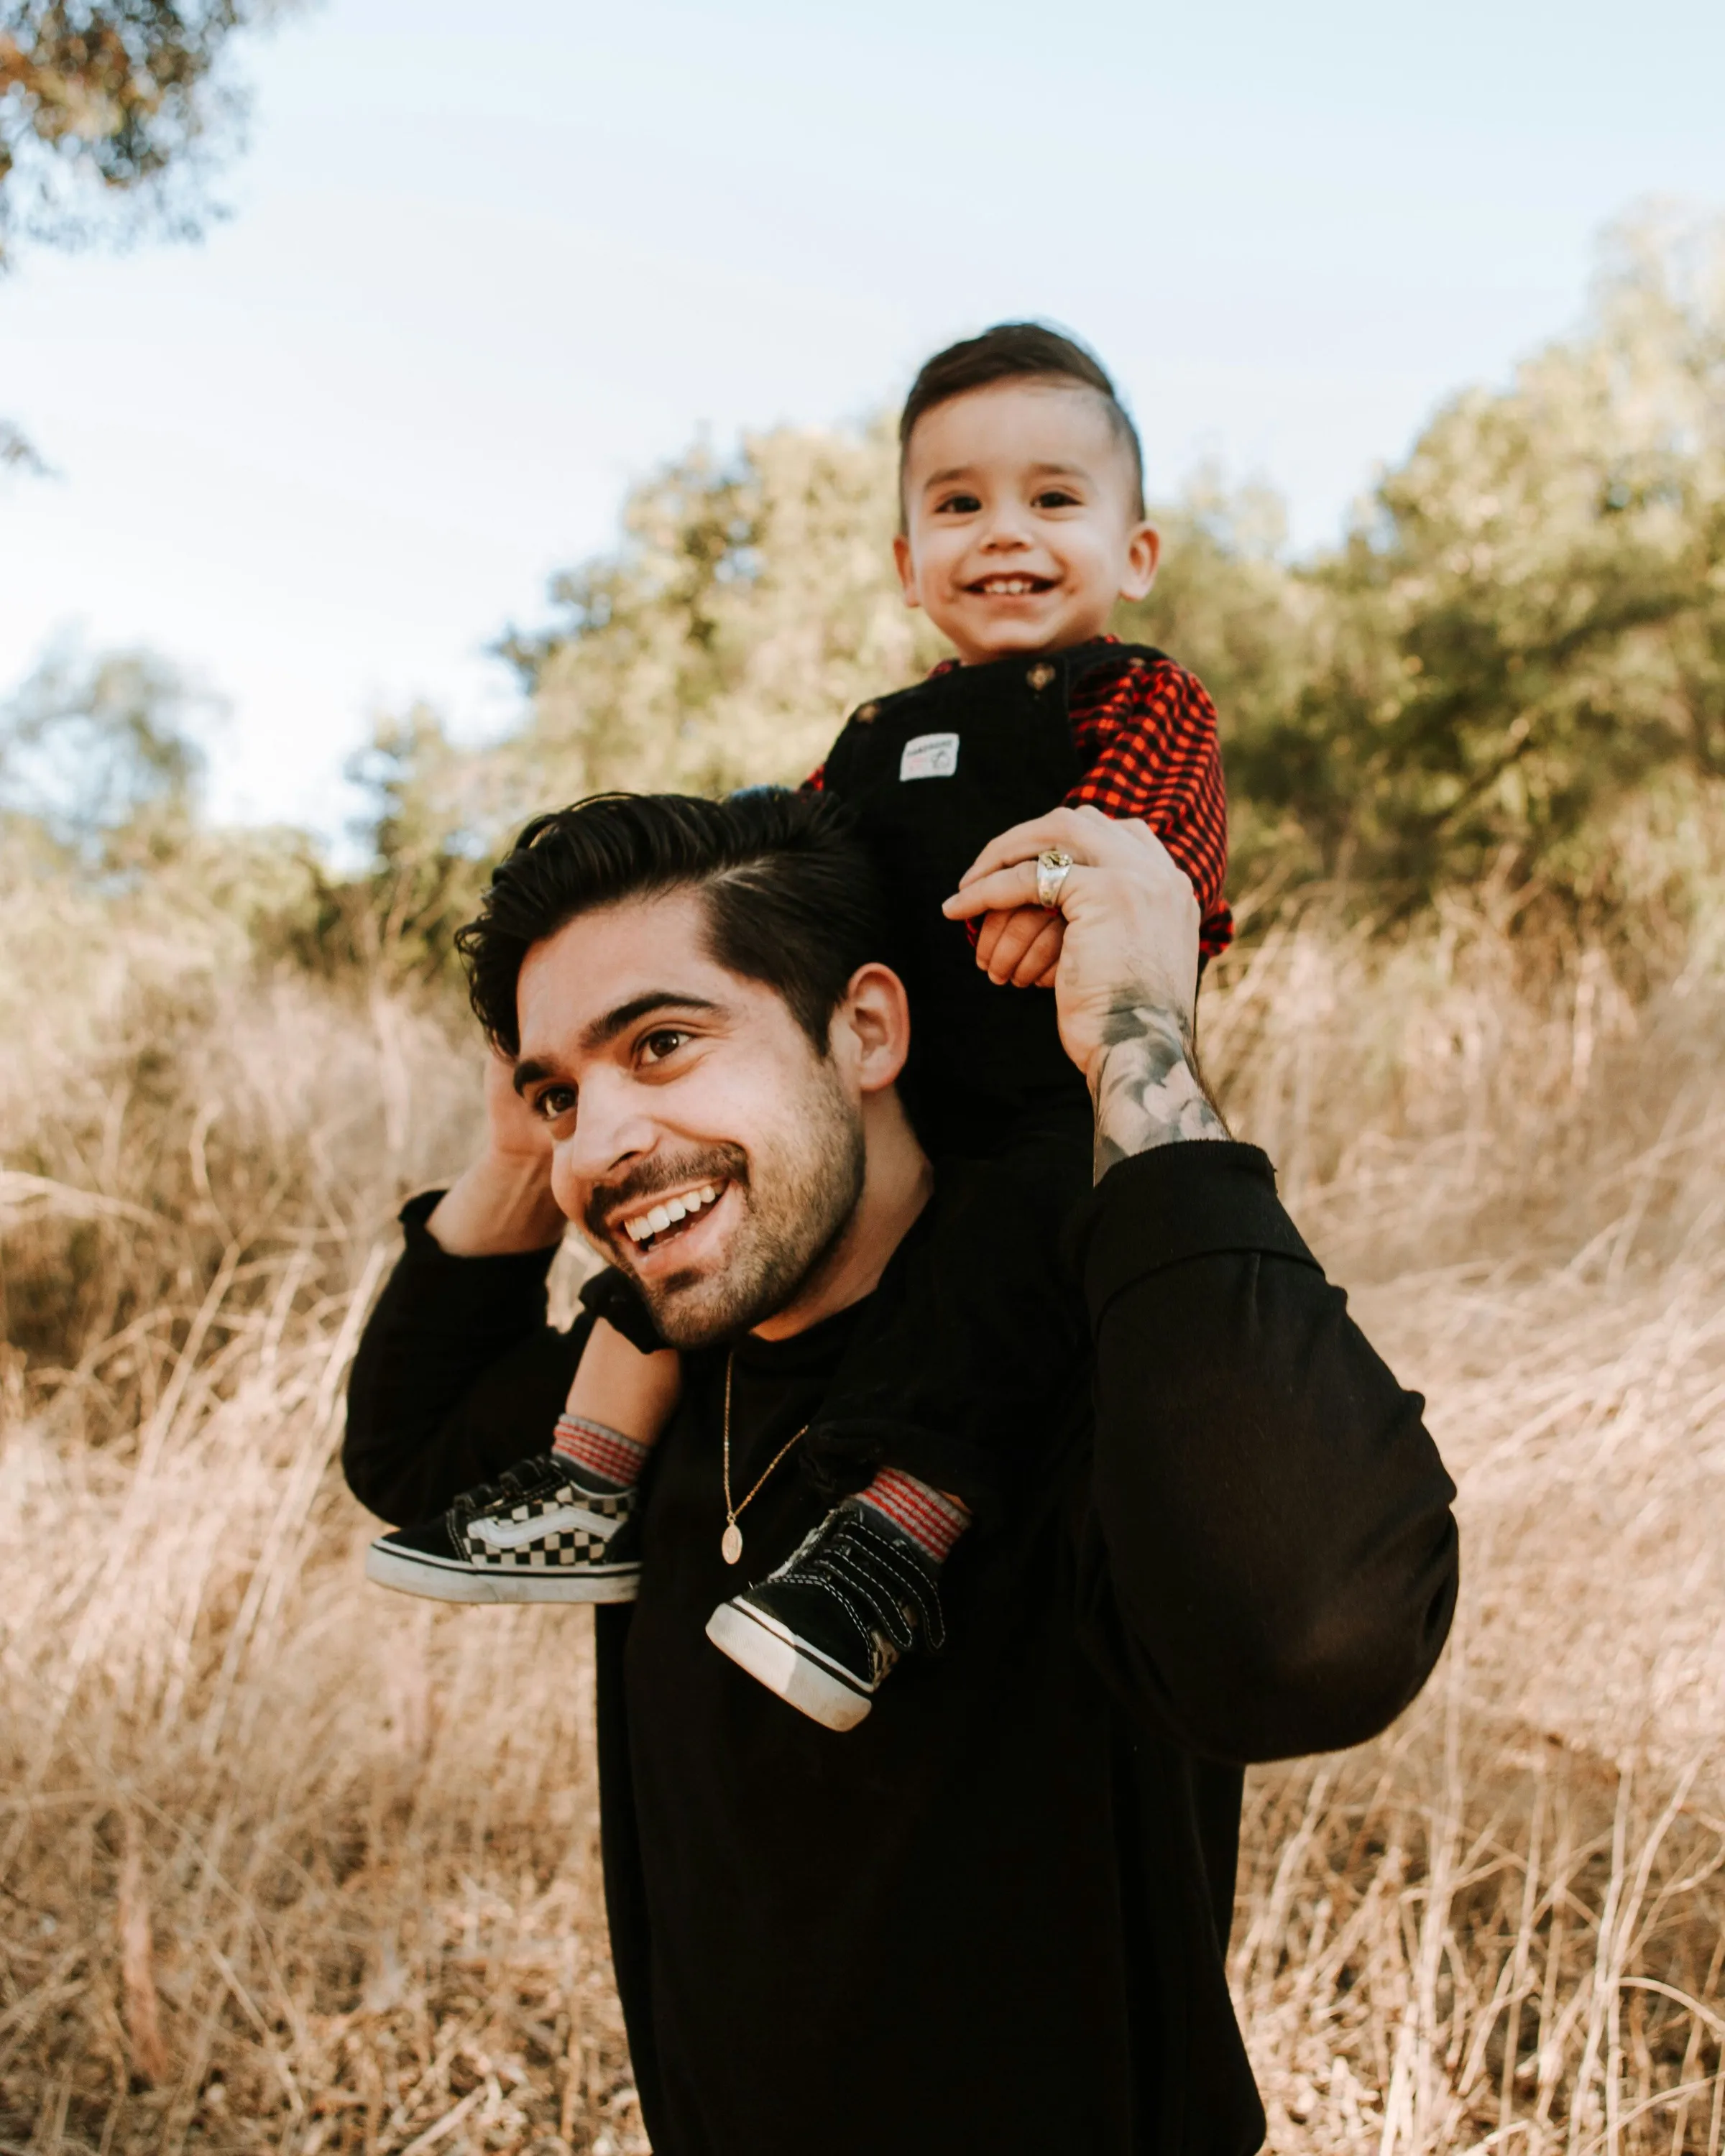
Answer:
[(993, 1918)]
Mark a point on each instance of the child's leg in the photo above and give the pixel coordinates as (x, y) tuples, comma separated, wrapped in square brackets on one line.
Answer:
[(620, 1401), (557, 1526), (980, 1328), (952, 1394), (947, 1389), (931, 1520)]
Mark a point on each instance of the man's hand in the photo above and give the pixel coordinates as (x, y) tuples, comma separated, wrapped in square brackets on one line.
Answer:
[(503, 1201), (1127, 974)]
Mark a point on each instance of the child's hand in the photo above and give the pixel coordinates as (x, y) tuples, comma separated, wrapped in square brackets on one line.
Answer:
[(1022, 946)]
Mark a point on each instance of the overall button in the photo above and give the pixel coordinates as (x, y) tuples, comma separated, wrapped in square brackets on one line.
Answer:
[(866, 714), (1038, 677)]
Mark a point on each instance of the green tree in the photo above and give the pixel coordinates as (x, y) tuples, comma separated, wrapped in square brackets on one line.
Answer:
[(1528, 629), (1518, 650), (112, 115), (97, 755), (113, 118), (752, 603)]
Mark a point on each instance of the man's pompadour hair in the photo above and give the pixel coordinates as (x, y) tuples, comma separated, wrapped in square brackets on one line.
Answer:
[(793, 897), (1022, 352)]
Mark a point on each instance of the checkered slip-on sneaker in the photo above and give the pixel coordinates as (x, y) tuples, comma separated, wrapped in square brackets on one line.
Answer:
[(826, 1630), (538, 1535)]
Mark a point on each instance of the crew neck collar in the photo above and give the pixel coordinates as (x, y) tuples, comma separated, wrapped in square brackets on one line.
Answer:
[(815, 1344)]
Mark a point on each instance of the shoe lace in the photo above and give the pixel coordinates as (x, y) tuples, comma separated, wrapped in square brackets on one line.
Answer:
[(865, 1567)]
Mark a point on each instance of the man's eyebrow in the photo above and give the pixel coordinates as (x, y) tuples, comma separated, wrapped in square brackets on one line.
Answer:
[(529, 1069), (605, 1029)]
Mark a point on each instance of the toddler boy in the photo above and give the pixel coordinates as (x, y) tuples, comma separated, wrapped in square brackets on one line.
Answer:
[(1021, 489)]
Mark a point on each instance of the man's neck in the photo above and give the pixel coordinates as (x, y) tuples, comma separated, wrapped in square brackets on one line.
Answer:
[(897, 1183)]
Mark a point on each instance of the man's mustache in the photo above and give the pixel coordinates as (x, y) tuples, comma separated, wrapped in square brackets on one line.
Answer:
[(634, 1191)]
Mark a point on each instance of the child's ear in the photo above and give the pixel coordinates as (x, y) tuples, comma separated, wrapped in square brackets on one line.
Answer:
[(1143, 551), (905, 563)]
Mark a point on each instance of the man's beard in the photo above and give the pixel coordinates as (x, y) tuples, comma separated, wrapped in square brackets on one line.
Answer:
[(797, 1196)]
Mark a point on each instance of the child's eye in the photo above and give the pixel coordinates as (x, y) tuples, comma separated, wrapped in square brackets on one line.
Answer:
[(957, 505), (553, 1101), (664, 1040), (1056, 497)]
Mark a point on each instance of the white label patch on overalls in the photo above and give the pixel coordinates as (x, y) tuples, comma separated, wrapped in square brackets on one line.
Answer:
[(930, 756)]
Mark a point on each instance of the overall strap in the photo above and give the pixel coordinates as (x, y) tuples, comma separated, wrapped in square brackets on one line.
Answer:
[(1128, 658)]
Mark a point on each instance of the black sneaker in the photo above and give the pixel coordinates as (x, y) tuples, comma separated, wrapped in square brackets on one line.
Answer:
[(824, 1630), (538, 1535)]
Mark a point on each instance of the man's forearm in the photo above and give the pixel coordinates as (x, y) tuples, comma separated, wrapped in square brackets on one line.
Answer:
[(1145, 1084), (501, 1205)]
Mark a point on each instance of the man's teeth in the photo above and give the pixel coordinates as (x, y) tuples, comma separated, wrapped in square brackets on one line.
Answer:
[(667, 1215)]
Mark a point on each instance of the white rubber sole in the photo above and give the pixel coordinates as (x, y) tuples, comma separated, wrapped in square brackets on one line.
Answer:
[(442, 1580), (774, 1660)]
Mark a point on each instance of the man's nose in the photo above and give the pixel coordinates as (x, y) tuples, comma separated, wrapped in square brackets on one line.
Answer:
[(612, 1128)]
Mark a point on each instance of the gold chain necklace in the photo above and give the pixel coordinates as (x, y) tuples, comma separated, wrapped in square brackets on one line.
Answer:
[(730, 1542)]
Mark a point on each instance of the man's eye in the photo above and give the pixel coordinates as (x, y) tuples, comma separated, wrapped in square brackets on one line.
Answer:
[(957, 505), (667, 1041), (554, 1101)]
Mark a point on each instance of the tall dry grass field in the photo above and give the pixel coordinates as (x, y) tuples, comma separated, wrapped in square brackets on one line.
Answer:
[(290, 1865)]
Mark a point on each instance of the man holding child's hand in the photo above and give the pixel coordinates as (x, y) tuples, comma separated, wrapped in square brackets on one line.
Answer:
[(993, 1917)]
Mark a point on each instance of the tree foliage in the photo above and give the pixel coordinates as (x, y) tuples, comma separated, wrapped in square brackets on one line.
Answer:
[(1527, 626), (97, 754), (1510, 674), (751, 600), (1521, 640), (110, 115)]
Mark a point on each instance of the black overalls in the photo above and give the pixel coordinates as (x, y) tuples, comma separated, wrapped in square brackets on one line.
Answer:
[(934, 772), (985, 1314)]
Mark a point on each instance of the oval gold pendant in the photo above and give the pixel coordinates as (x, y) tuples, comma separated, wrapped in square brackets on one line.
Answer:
[(731, 1544)]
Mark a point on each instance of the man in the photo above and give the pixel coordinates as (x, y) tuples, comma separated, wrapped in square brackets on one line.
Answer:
[(992, 1918)]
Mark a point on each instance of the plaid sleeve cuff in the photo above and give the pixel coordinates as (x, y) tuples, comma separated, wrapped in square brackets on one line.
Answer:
[(1149, 733)]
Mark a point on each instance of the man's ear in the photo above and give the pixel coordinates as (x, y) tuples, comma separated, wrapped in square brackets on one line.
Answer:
[(871, 1027), (905, 563), (1143, 551)]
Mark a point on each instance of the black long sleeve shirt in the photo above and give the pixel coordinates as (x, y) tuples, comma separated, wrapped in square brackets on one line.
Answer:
[(993, 1918)]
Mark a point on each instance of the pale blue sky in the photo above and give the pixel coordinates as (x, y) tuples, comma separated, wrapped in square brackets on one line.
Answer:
[(487, 265)]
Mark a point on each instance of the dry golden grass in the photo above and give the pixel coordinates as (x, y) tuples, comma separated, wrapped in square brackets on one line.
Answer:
[(287, 1864)]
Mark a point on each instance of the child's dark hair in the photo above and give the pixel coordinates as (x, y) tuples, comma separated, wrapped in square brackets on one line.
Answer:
[(1026, 351), (793, 899)]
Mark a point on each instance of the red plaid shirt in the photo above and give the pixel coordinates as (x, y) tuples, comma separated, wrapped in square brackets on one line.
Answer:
[(1146, 733)]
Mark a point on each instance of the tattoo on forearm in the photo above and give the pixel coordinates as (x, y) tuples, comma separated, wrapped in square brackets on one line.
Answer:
[(1148, 1089)]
